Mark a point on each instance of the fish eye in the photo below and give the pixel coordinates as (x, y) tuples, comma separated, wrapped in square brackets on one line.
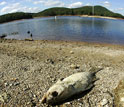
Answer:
[(54, 94)]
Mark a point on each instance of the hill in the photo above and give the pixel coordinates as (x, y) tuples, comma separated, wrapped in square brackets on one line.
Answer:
[(55, 11), (15, 16), (85, 10)]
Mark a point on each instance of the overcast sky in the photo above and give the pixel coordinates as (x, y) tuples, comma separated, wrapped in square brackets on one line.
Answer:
[(9, 6)]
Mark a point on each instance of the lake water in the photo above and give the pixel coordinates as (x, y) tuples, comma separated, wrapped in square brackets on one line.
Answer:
[(69, 28)]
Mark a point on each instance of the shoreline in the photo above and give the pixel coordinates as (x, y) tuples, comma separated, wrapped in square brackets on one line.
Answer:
[(103, 17), (69, 42)]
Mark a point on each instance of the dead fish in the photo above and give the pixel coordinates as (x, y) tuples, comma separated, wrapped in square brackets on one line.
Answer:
[(65, 88)]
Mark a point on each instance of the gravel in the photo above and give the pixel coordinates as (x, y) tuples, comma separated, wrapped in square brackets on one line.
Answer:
[(29, 68)]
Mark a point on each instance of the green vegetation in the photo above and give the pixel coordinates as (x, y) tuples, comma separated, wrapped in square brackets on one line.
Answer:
[(14, 16), (55, 11), (86, 10)]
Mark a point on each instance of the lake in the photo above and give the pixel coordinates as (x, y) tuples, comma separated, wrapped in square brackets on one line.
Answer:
[(69, 28)]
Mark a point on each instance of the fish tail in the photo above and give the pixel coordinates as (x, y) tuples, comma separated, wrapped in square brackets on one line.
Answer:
[(94, 70)]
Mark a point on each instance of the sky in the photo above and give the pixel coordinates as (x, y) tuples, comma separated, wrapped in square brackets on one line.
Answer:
[(9, 6)]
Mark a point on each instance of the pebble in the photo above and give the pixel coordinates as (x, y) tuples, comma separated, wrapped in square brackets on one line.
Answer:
[(4, 97), (75, 66), (17, 83), (106, 106), (71, 52), (122, 99), (68, 103), (106, 77), (1, 98), (6, 84), (25, 89), (50, 61), (28, 103), (104, 102), (10, 85)]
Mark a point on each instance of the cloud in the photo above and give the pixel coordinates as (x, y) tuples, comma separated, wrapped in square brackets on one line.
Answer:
[(17, 7), (106, 3), (50, 3), (3, 3), (54, 3), (30, 9), (28, 0), (10, 8), (119, 9), (88, 4), (39, 2), (76, 4)]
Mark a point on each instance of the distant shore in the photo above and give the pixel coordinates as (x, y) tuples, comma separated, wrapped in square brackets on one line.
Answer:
[(104, 17)]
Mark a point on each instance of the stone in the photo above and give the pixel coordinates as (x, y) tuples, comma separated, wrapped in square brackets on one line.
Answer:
[(6, 84), (74, 66), (119, 94), (50, 61), (122, 99), (4, 97), (104, 102), (16, 83), (71, 52), (1, 98)]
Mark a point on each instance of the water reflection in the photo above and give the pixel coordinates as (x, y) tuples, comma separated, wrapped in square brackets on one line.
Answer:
[(67, 28)]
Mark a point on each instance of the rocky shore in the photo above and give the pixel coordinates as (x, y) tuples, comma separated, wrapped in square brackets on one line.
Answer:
[(29, 68)]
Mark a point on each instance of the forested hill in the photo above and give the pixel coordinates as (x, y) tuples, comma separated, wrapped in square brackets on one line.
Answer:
[(86, 10), (15, 16)]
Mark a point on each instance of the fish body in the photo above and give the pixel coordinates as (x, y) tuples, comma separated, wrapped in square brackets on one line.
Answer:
[(65, 88)]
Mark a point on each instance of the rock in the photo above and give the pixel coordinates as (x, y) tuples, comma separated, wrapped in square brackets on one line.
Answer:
[(75, 66), (26, 88), (28, 103), (16, 83), (71, 52), (1, 98), (122, 99), (104, 102), (50, 61), (119, 94), (14, 79), (68, 103), (10, 85), (4, 97), (28, 39), (53, 79), (6, 84)]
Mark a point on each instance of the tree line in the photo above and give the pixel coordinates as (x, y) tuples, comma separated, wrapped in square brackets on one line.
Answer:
[(86, 10), (15, 16)]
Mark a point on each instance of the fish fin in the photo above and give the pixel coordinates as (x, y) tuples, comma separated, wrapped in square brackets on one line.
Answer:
[(43, 100)]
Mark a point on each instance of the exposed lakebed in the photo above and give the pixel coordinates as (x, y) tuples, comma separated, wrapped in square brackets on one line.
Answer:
[(70, 28)]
